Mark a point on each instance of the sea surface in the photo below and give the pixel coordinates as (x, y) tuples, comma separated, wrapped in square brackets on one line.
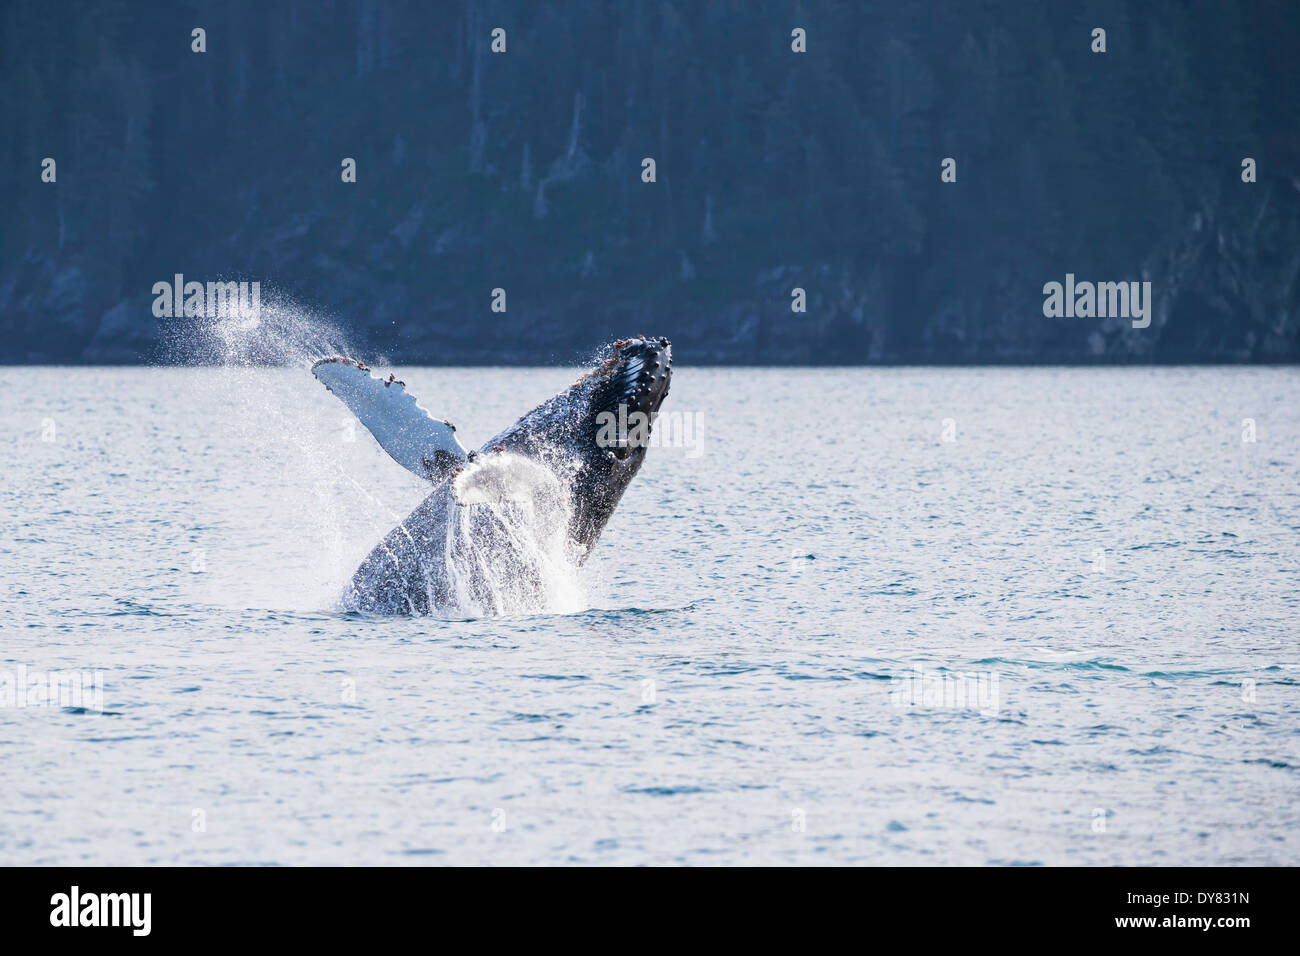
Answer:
[(863, 616)]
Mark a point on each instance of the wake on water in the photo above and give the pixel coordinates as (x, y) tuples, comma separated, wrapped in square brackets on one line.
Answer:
[(507, 550)]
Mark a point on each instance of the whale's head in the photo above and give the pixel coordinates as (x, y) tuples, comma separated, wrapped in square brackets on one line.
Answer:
[(631, 384), (621, 399), (596, 432)]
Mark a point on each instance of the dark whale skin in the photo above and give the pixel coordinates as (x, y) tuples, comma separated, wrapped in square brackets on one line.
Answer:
[(406, 573)]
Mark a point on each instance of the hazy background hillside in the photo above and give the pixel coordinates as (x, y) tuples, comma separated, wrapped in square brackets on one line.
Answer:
[(775, 169)]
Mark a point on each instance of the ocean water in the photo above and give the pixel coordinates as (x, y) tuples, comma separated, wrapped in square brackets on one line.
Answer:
[(880, 616)]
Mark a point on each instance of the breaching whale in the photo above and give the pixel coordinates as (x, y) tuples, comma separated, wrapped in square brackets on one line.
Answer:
[(538, 493)]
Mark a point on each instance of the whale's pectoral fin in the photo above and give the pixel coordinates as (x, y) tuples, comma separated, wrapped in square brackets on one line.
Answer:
[(417, 441)]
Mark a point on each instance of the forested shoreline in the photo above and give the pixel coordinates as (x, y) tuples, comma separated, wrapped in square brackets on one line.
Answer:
[(774, 170)]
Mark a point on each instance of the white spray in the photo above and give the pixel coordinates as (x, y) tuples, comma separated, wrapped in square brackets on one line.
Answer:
[(507, 549)]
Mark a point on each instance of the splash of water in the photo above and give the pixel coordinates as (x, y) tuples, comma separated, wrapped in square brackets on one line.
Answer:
[(507, 549), (284, 332), (286, 461)]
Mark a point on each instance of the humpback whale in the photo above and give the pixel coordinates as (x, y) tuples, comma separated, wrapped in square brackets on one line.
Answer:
[(498, 519)]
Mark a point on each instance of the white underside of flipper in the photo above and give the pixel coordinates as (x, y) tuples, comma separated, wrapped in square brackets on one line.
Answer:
[(420, 443)]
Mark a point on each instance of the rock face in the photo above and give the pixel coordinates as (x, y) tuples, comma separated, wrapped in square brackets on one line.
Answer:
[(1209, 313), (121, 337), (919, 173)]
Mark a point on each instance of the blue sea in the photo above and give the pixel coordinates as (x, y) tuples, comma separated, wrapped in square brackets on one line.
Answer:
[(856, 616)]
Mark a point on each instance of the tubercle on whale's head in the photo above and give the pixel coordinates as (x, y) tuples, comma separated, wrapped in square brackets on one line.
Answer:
[(636, 375)]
